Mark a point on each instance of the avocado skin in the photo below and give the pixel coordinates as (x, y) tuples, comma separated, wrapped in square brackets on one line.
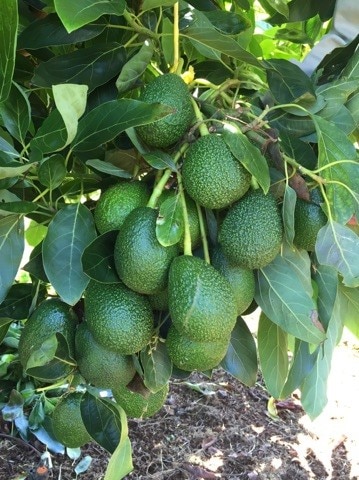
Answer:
[(251, 233), (171, 90), (142, 263), (201, 302), (211, 175)]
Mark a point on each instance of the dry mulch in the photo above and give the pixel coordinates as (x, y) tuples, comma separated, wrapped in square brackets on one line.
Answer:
[(225, 431)]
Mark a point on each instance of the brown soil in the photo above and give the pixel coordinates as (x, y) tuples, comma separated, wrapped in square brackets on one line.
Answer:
[(224, 431)]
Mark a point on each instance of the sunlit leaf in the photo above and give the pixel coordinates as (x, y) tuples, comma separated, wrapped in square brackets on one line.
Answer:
[(135, 67), (338, 246), (109, 168), (169, 223), (8, 28), (157, 367), (75, 15)]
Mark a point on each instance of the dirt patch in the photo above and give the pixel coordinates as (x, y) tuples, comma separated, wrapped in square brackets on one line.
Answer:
[(217, 428)]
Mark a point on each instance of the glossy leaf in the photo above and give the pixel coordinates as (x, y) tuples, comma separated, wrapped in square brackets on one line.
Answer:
[(135, 67), (288, 83), (273, 355), (108, 168), (102, 420), (14, 407), (108, 120), (249, 155), (70, 100), (76, 15), (52, 361), (160, 160), (7, 149), (300, 262), (314, 388), (285, 300), (169, 223), (241, 357), (18, 207), (11, 250), (157, 367), (52, 171), (338, 246), (8, 27), (120, 463), (349, 304), (4, 327), (91, 66), (15, 113), (334, 146), (52, 134), (11, 168), (151, 4), (49, 31), (289, 201), (97, 260), (218, 44), (70, 232), (35, 264), (326, 279), (18, 301)]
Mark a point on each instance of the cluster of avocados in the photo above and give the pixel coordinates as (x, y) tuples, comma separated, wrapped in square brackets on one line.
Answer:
[(200, 300)]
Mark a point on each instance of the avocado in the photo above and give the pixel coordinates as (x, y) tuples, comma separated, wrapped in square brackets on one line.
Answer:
[(170, 90), (142, 263), (251, 233), (211, 174), (201, 301)]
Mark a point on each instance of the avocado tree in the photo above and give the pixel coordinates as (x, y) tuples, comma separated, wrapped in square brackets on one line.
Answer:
[(165, 168)]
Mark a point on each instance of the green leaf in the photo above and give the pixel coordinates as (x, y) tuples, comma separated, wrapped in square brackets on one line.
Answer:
[(15, 113), (151, 4), (289, 201), (326, 279), (52, 134), (273, 355), (8, 27), (7, 149), (109, 168), (52, 361), (334, 146), (4, 327), (11, 250), (135, 67), (120, 463), (218, 44), (286, 300), (35, 265), (302, 364), (69, 233), (108, 120), (160, 160), (70, 101), (300, 263), (169, 223), (314, 387), (18, 302), (52, 171), (249, 156), (351, 70), (288, 83), (102, 419), (14, 407), (10, 168), (157, 366), (75, 15), (91, 66), (336, 94), (338, 246), (97, 260), (349, 304), (241, 357), (49, 31), (18, 206)]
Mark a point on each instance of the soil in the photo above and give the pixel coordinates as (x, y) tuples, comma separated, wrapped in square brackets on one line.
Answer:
[(218, 428)]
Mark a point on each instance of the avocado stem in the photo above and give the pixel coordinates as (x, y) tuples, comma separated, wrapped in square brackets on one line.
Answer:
[(176, 55), (187, 242), (203, 234), (158, 189), (202, 127)]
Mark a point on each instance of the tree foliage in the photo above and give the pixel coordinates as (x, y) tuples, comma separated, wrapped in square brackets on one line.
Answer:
[(70, 78)]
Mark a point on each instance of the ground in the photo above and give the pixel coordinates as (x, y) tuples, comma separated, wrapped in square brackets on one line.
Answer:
[(218, 428)]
